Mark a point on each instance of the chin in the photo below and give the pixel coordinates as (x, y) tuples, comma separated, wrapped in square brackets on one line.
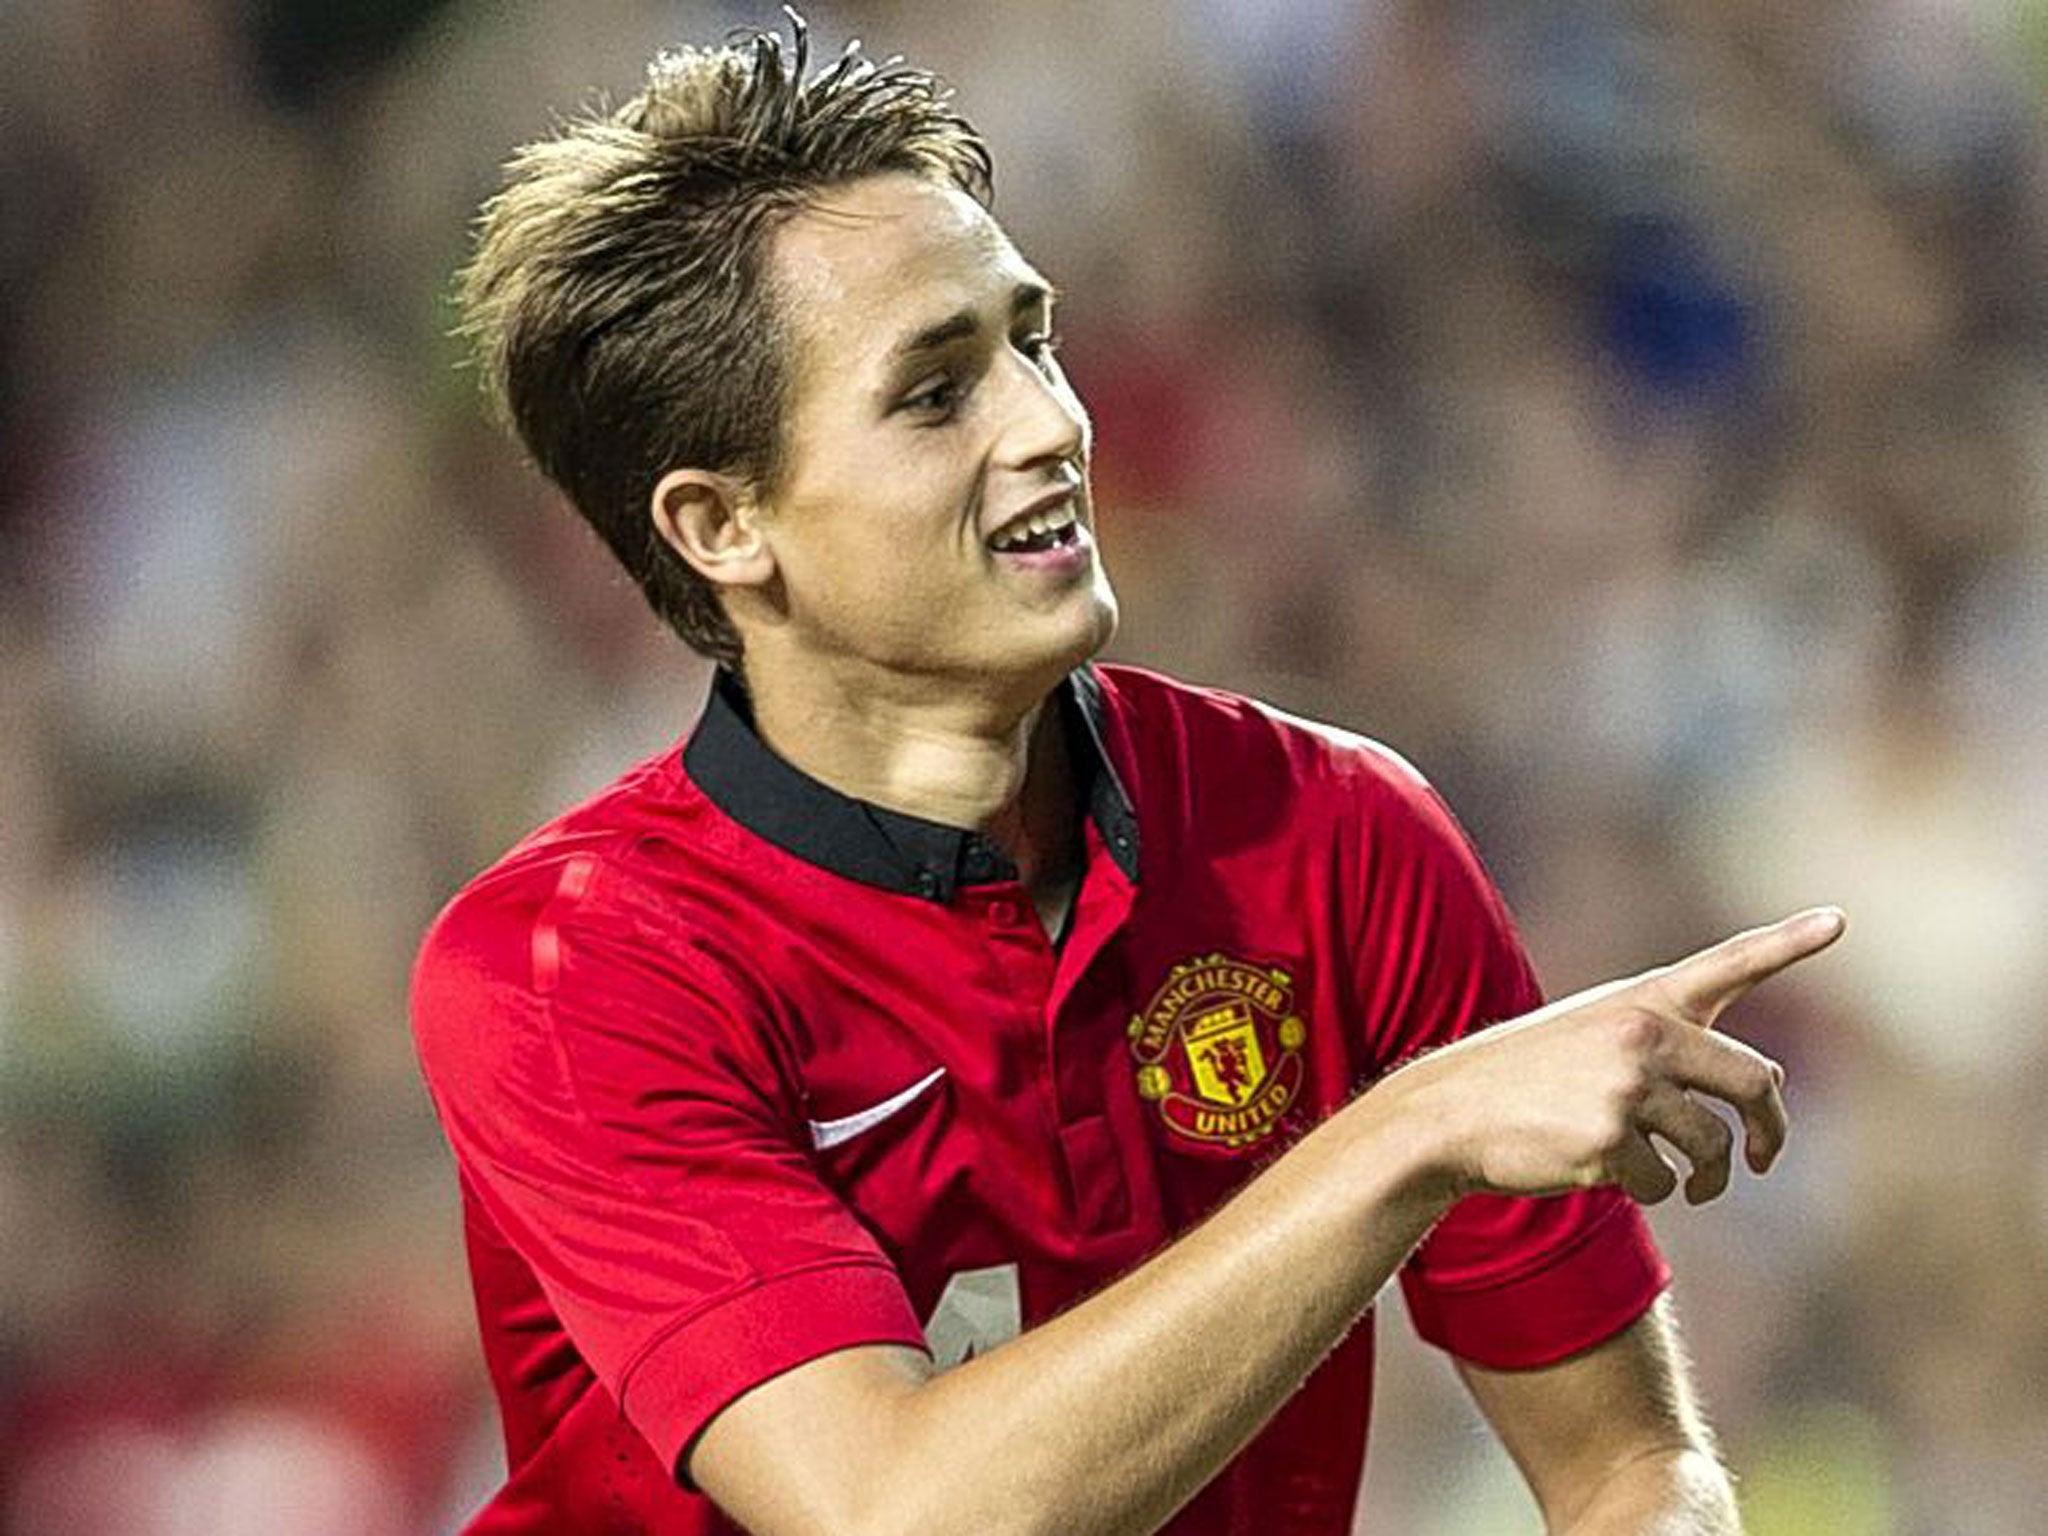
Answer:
[(1083, 636)]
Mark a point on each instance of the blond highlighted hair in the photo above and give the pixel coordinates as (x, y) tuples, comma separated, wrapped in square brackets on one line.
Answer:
[(617, 299)]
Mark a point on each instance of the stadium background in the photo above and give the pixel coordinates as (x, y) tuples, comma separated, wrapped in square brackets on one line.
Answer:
[(1637, 414)]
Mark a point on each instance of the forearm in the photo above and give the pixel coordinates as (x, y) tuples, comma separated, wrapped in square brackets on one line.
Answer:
[(1674, 1492), (1106, 1419), (1109, 1417)]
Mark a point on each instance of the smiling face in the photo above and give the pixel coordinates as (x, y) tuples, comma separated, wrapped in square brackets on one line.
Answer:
[(931, 524)]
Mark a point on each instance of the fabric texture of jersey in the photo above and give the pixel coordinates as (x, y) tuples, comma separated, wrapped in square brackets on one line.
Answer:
[(738, 1071)]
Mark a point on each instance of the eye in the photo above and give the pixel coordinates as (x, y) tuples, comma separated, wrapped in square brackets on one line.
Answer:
[(938, 398)]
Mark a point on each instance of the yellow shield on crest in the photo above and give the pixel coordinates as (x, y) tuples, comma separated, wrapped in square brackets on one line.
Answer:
[(1224, 1053)]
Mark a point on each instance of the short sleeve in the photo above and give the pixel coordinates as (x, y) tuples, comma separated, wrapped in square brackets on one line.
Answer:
[(618, 1115), (1504, 1282)]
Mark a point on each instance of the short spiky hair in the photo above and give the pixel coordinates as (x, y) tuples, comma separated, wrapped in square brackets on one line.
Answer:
[(617, 300)]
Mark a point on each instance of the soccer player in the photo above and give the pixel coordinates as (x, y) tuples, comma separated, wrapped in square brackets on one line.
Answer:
[(961, 1088)]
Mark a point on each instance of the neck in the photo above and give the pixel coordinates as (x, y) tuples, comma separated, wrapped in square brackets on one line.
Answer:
[(999, 766)]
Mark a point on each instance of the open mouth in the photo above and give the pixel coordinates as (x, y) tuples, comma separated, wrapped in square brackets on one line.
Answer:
[(1038, 532)]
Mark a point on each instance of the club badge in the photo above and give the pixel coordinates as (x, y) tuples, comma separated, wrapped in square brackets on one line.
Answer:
[(1219, 1050)]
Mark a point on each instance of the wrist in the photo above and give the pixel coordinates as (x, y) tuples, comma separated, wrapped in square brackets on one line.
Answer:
[(1416, 1140)]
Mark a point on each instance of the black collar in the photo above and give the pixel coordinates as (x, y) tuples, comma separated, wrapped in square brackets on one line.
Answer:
[(773, 799)]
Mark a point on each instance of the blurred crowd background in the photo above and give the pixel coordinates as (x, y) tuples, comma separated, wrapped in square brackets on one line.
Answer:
[(1635, 413)]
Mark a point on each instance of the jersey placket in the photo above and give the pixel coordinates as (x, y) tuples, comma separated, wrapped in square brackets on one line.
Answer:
[(1082, 1022)]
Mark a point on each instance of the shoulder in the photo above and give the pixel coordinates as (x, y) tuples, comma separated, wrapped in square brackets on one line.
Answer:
[(1186, 731), (1434, 943), (602, 898), (572, 859)]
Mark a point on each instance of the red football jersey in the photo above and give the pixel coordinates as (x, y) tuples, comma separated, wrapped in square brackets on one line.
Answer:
[(739, 1071)]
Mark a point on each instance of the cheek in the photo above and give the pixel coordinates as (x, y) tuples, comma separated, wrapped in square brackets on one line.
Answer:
[(922, 507), (877, 515), (901, 549)]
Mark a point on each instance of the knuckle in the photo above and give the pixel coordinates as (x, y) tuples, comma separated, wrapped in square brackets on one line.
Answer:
[(1720, 1142), (1637, 1033)]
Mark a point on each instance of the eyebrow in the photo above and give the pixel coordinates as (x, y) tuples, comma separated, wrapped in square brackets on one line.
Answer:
[(957, 327)]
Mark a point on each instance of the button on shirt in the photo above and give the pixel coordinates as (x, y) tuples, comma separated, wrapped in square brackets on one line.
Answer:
[(739, 1071)]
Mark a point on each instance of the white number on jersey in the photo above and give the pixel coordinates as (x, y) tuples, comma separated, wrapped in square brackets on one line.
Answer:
[(979, 1309)]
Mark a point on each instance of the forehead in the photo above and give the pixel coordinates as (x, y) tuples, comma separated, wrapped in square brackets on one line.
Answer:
[(878, 258)]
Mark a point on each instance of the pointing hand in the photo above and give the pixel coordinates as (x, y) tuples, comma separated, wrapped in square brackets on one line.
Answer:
[(1569, 1096)]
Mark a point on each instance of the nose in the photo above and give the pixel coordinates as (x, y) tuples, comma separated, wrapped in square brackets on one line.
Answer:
[(1045, 420)]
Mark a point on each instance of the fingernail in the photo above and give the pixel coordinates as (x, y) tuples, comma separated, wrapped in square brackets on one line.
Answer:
[(1827, 920)]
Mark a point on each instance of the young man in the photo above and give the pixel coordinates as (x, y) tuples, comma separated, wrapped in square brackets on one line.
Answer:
[(955, 1090)]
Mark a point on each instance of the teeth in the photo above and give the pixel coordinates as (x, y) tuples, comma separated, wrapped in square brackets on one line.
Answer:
[(1036, 525)]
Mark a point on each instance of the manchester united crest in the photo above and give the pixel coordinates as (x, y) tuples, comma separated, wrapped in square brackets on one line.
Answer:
[(1219, 1050)]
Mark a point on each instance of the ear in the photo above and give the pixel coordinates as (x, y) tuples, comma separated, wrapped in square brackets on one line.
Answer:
[(713, 522)]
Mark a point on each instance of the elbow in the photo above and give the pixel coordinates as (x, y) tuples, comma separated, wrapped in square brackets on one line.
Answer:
[(901, 1472), (870, 1443), (937, 1482), (957, 1500)]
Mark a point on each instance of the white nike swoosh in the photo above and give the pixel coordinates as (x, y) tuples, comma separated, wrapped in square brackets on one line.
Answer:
[(830, 1133)]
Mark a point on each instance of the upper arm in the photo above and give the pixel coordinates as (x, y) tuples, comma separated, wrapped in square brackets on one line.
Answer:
[(1571, 1425), (1508, 1282), (618, 1125), (839, 1409), (1549, 1305)]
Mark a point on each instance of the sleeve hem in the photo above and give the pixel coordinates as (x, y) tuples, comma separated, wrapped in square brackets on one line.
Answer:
[(698, 1367), (1586, 1295)]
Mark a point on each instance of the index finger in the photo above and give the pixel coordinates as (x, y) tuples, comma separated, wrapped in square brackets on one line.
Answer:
[(1703, 985)]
